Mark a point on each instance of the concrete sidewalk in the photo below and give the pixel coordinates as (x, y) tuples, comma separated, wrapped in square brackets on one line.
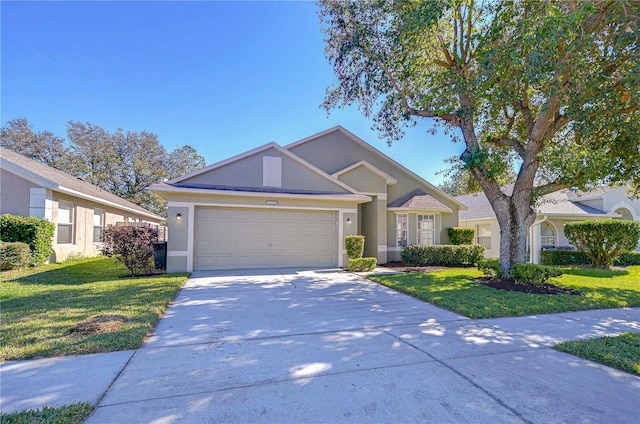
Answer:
[(333, 347)]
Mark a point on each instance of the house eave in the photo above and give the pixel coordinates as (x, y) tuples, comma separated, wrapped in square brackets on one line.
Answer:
[(439, 210), (357, 198), (106, 202)]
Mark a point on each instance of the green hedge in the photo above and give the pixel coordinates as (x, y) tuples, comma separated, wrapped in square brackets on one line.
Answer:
[(564, 257), (362, 264), (444, 255), (354, 246), (490, 267), (627, 259), (533, 274), (460, 235), (14, 255), (36, 232), (574, 257)]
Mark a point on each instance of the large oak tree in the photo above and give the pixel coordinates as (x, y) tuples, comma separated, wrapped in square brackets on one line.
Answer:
[(551, 85)]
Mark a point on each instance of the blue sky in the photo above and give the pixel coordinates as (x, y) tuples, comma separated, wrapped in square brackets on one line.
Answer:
[(224, 77)]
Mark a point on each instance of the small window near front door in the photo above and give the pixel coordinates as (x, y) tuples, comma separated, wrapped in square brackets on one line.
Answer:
[(548, 235), (402, 228), (426, 229), (483, 235)]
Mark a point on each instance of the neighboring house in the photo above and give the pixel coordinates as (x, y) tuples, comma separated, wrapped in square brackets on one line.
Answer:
[(554, 211), (78, 209), (292, 206)]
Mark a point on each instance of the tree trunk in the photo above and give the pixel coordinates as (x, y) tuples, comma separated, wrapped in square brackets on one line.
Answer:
[(514, 217)]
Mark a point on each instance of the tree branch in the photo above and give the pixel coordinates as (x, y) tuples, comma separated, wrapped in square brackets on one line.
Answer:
[(551, 187), (509, 142)]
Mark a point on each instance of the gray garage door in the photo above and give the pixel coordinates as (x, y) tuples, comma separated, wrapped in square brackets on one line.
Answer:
[(227, 238)]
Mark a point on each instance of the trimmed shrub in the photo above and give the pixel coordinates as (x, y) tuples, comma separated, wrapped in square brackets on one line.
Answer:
[(490, 267), (564, 257), (460, 235), (36, 232), (133, 246), (533, 274), (572, 257), (444, 255), (362, 264), (628, 259), (14, 255), (354, 246), (603, 241)]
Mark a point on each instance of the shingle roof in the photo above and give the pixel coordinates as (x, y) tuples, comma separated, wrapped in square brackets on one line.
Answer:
[(419, 200), (562, 202), (55, 179)]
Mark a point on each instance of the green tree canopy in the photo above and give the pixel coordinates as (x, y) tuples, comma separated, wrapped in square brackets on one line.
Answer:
[(550, 85), (125, 163)]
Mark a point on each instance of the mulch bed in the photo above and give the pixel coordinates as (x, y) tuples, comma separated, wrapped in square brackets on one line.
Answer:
[(496, 283), (512, 285)]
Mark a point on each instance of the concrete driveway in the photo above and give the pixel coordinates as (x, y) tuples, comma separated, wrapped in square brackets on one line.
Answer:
[(331, 347)]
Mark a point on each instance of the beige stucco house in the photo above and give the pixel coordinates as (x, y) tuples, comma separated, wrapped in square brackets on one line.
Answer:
[(80, 210), (292, 206), (553, 212)]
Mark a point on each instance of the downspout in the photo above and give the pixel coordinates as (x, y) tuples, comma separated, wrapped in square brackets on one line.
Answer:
[(537, 222)]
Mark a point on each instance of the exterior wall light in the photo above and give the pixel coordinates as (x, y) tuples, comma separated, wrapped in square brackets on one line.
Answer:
[(179, 217)]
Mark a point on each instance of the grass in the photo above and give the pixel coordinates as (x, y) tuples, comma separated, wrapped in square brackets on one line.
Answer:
[(621, 352), (454, 289), (40, 305), (71, 414)]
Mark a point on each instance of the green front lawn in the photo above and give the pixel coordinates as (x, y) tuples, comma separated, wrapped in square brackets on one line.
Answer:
[(39, 307), (454, 289), (621, 352), (72, 414)]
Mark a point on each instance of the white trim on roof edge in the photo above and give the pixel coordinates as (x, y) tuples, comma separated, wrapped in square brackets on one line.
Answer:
[(414, 210), (336, 197), (390, 180), (366, 145)]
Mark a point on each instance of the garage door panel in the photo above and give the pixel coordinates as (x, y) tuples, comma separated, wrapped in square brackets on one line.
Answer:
[(245, 238), (277, 229)]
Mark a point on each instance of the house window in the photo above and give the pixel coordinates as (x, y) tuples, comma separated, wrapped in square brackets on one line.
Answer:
[(548, 235), (426, 229), (483, 235), (402, 227), (98, 225), (65, 223)]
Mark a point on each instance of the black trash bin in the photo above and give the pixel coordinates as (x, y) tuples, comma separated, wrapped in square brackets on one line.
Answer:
[(160, 254)]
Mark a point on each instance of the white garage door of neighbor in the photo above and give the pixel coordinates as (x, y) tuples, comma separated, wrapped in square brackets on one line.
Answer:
[(227, 238)]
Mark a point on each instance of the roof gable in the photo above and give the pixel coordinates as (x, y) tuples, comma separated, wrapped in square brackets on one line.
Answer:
[(57, 180), (246, 172), (418, 200), (377, 159), (364, 164)]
